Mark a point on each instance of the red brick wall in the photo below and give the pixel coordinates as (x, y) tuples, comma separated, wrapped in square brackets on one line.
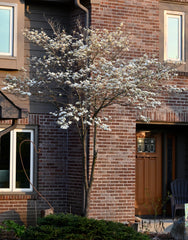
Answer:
[(141, 19), (20, 208), (59, 168), (58, 173), (113, 193)]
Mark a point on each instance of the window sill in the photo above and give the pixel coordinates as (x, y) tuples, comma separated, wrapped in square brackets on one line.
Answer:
[(182, 66), (175, 62), (13, 63), (18, 196)]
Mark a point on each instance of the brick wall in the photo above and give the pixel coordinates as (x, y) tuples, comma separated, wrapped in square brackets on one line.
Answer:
[(20, 208), (59, 169), (113, 193), (57, 176), (141, 19)]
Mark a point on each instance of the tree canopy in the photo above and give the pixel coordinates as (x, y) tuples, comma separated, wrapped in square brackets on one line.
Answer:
[(83, 73)]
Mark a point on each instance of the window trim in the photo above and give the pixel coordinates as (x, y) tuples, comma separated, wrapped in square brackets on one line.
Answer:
[(13, 40), (14, 160), (16, 60), (11, 10), (181, 35), (12, 178)]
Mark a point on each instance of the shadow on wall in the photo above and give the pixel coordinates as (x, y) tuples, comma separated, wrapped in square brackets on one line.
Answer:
[(32, 213), (11, 215), (27, 216)]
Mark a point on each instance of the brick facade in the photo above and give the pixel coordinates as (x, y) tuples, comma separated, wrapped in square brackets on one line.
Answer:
[(113, 195), (113, 192), (58, 174)]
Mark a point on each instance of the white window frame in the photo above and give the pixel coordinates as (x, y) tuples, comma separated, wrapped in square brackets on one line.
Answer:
[(13, 28), (12, 177), (181, 17)]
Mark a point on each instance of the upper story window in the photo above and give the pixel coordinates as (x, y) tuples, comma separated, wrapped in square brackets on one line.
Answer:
[(7, 30), (11, 34), (173, 36)]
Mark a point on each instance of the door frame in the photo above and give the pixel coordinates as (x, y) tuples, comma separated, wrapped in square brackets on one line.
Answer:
[(178, 133)]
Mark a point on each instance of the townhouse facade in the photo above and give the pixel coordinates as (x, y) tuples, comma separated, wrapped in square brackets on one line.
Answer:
[(136, 160)]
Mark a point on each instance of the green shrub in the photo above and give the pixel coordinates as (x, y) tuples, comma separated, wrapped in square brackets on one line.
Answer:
[(11, 226), (71, 227)]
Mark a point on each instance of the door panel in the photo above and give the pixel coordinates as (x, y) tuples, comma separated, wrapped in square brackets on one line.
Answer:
[(140, 181), (148, 173)]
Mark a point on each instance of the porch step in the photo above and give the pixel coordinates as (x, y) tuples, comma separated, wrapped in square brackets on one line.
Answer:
[(155, 225)]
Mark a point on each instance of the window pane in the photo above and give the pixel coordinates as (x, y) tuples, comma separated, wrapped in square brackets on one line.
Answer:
[(174, 38), (146, 145), (5, 30), (4, 160), (21, 180)]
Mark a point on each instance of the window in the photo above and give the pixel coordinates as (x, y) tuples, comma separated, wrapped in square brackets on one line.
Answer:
[(12, 176), (146, 145), (174, 36), (11, 34), (7, 30)]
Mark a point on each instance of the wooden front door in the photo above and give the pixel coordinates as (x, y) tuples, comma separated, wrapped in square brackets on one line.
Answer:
[(148, 173)]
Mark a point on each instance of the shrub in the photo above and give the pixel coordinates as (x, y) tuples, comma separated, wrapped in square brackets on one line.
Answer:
[(11, 228), (72, 227)]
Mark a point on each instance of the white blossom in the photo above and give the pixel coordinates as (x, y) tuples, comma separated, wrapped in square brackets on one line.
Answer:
[(84, 73), (91, 74)]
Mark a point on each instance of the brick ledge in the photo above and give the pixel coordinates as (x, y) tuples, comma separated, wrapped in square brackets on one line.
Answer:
[(17, 196)]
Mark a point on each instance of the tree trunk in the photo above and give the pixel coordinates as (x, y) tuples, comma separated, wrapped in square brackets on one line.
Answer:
[(88, 177), (85, 175), (86, 202)]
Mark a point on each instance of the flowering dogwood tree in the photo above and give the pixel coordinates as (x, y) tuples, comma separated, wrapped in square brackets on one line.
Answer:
[(85, 72)]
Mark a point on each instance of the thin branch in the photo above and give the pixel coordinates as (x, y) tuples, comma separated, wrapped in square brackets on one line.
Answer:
[(20, 146)]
